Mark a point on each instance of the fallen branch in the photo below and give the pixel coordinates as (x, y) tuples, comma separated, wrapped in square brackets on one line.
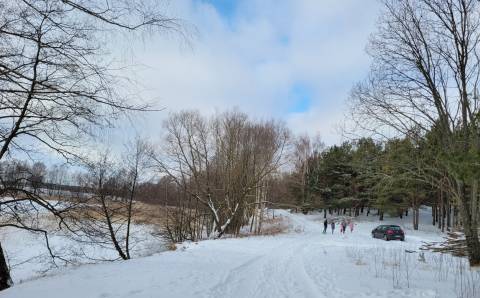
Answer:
[(454, 244)]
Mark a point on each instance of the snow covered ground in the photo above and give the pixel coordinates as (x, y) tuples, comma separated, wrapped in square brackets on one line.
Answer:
[(301, 263), (29, 258)]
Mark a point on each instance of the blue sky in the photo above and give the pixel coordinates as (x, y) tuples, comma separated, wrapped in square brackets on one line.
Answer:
[(294, 60), (300, 99), (225, 7)]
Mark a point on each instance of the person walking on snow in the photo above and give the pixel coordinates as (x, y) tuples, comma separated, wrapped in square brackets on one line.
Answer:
[(344, 226), (325, 225), (351, 226), (333, 226)]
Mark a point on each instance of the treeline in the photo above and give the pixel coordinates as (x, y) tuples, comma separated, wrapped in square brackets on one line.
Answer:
[(212, 175), (372, 177)]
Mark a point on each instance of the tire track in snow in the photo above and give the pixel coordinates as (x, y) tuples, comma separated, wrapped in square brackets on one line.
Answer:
[(279, 271)]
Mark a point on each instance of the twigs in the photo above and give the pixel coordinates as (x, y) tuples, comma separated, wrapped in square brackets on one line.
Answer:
[(454, 244)]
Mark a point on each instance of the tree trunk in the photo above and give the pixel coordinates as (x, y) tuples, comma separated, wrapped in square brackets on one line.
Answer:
[(470, 228), (474, 202), (441, 212), (414, 218), (111, 231), (417, 218), (324, 213), (439, 215), (443, 217), (5, 279), (449, 215), (381, 215), (129, 214), (416, 211)]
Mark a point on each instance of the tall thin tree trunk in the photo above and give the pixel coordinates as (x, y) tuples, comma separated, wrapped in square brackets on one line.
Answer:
[(5, 279), (440, 210), (417, 218), (129, 215), (470, 227), (111, 230), (449, 215), (416, 211), (454, 217)]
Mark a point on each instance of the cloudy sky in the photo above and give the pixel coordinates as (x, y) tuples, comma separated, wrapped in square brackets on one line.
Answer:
[(294, 60)]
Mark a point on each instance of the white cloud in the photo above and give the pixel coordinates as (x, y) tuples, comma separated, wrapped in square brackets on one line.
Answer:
[(252, 59)]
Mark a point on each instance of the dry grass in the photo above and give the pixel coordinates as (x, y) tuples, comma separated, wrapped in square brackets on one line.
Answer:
[(171, 246), (156, 215), (275, 226), (150, 214), (270, 227), (142, 213)]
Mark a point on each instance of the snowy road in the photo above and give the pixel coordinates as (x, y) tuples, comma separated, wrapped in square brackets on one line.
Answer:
[(299, 264)]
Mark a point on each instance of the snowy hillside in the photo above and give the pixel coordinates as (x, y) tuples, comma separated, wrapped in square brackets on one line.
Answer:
[(301, 263)]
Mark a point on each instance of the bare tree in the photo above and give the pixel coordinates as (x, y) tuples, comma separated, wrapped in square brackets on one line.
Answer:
[(137, 160), (304, 152), (54, 87), (105, 215), (101, 219), (425, 76), (222, 162)]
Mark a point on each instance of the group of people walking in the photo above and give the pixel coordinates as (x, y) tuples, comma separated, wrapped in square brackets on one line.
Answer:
[(343, 226)]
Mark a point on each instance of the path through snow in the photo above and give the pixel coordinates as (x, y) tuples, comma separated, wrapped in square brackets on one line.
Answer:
[(297, 264)]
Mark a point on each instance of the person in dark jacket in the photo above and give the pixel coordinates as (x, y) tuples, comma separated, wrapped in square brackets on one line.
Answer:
[(333, 226), (325, 225), (343, 226)]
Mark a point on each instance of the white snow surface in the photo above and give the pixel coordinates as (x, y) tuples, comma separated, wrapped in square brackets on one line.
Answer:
[(301, 263)]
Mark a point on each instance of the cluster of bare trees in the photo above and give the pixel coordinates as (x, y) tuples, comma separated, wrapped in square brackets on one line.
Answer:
[(221, 166), (56, 86), (104, 216), (304, 162), (424, 85)]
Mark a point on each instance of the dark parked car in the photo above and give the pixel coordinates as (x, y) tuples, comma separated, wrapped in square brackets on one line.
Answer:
[(389, 232)]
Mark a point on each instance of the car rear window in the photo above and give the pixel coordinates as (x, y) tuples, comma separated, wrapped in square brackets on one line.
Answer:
[(395, 228)]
